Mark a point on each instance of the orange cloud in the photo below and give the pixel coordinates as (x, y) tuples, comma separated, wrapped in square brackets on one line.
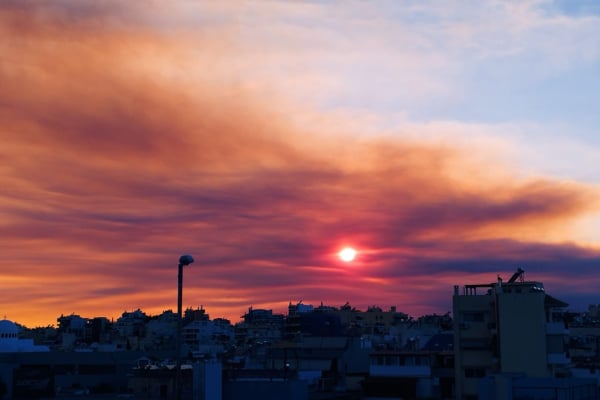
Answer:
[(115, 162)]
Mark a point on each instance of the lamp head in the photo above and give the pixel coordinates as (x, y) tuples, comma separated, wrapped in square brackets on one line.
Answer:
[(186, 260)]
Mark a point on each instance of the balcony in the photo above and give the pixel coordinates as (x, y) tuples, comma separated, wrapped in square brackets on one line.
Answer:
[(401, 371)]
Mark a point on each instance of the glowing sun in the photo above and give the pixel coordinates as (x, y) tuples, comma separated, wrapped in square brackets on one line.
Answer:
[(347, 254)]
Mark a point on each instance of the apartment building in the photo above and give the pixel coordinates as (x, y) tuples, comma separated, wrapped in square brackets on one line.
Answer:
[(507, 328)]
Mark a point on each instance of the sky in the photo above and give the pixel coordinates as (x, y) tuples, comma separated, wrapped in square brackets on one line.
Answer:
[(447, 142)]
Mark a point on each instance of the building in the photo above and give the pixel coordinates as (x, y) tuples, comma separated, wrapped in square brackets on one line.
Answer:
[(259, 326), (515, 387), (159, 332), (131, 330), (71, 329), (507, 328), (43, 374), (11, 343), (421, 373)]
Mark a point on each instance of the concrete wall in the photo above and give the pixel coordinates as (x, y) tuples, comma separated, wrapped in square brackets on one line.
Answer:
[(522, 333)]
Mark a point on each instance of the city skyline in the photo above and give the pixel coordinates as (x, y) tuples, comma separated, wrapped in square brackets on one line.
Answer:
[(447, 143)]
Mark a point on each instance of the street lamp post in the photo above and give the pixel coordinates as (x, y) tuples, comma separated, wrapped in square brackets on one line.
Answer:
[(183, 261)]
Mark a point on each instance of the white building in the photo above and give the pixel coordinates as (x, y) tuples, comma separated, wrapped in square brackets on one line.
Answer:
[(10, 342)]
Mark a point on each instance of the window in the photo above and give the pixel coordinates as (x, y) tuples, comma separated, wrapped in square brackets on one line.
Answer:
[(474, 372), (473, 316)]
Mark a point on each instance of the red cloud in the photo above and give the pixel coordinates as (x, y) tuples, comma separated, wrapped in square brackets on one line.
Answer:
[(115, 162)]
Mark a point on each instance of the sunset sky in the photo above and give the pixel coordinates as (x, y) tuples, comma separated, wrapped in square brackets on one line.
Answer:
[(448, 142)]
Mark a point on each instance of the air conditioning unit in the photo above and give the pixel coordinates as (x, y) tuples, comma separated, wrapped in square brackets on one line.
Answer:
[(464, 325)]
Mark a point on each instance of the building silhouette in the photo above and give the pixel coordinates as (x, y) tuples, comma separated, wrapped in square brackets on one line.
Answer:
[(506, 340), (511, 327)]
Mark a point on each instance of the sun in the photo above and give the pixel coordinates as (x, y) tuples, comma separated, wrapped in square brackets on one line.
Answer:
[(347, 254)]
